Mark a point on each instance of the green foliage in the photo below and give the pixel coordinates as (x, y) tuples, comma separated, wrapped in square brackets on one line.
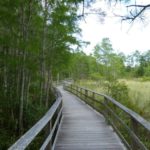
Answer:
[(138, 64), (33, 114), (119, 91), (35, 43), (96, 76), (113, 64), (146, 78), (82, 66), (36, 40)]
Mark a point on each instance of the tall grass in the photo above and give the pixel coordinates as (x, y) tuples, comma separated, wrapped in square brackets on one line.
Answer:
[(139, 94), (93, 85)]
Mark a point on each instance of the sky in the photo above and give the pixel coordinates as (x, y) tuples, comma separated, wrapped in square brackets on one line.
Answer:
[(124, 37)]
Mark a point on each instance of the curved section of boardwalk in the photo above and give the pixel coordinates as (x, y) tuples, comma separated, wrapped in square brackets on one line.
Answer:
[(83, 128)]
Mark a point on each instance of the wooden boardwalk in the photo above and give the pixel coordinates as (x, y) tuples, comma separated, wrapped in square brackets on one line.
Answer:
[(83, 128)]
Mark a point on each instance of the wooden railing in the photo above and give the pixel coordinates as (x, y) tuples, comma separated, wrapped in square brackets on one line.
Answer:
[(49, 122), (132, 128)]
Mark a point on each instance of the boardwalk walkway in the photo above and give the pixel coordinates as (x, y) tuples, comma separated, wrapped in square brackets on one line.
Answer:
[(84, 129)]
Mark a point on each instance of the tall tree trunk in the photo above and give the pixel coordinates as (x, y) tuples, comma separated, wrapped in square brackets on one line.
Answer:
[(23, 31), (43, 51), (27, 91), (5, 72), (48, 88), (22, 98)]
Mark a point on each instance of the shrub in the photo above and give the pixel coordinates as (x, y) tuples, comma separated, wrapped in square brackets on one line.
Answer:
[(119, 91)]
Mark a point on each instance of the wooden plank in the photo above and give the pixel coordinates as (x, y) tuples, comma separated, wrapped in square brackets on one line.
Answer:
[(83, 128)]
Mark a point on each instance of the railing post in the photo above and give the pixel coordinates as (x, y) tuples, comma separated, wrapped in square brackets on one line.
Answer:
[(49, 126), (61, 106), (71, 88), (106, 111), (93, 99), (86, 94), (134, 127), (81, 93), (64, 86), (77, 90)]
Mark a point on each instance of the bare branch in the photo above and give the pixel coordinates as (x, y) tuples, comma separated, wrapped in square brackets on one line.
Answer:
[(99, 12), (138, 13), (143, 6), (83, 7)]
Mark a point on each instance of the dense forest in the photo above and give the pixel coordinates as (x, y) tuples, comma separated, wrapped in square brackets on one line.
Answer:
[(36, 48), (35, 45)]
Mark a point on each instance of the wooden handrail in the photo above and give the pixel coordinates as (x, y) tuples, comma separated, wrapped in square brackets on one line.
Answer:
[(135, 119), (133, 114), (30, 135)]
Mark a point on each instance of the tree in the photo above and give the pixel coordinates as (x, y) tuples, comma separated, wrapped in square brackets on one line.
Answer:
[(147, 65), (35, 43), (113, 64), (79, 67)]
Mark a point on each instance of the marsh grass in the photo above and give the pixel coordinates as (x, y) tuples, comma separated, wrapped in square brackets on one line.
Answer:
[(138, 90), (139, 95), (93, 85)]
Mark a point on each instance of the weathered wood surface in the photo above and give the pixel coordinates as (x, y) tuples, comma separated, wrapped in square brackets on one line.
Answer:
[(83, 128), (130, 112), (130, 129)]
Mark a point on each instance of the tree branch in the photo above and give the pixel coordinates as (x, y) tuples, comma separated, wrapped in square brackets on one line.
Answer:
[(132, 16), (143, 6)]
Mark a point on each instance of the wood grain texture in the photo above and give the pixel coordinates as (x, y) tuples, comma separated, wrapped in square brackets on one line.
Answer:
[(83, 128)]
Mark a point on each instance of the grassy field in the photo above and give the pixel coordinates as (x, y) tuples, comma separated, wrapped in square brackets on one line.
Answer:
[(139, 93)]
